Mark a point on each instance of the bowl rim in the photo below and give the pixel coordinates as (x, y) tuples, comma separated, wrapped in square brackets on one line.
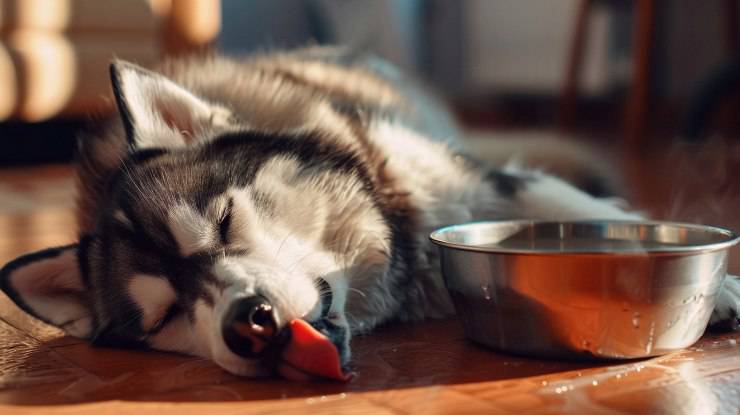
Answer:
[(731, 238)]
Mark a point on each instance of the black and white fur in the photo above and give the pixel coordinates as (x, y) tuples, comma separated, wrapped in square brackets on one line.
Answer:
[(267, 176)]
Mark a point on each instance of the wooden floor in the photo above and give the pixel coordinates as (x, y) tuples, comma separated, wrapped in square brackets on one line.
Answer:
[(427, 368)]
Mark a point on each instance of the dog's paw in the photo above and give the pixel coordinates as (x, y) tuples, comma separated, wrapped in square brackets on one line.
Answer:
[(726, 314)]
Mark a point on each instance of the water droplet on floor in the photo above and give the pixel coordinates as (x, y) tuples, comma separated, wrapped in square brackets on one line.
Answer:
[(636, 320), (486, 291)]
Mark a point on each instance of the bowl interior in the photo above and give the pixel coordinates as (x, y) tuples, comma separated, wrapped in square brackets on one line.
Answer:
[(583, 237)]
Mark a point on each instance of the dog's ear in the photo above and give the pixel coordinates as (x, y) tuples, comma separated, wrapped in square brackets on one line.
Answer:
[(48, 285), (158, 113)]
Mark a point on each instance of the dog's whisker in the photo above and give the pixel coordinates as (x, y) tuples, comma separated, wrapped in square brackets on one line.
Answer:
[(292, 266), (360, 292), (324, 291), (277, 253)]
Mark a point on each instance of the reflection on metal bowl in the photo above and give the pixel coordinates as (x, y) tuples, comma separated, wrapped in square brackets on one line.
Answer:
[(592, 289)]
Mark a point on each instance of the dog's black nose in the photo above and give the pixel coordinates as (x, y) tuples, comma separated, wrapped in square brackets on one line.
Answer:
[(249, 326)]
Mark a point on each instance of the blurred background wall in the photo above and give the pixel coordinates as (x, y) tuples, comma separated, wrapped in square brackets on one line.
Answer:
[(494, 47), (624, 70)]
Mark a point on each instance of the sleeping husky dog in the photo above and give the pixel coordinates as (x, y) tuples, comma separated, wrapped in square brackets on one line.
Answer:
[(233, 196)]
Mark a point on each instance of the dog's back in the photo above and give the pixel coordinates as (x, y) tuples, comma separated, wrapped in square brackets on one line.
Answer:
[(322, 88)]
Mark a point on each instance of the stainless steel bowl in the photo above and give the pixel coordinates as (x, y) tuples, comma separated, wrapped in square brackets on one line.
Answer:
[(584, 289)]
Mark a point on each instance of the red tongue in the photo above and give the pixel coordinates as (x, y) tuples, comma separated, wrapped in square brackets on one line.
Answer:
[(310, 354)]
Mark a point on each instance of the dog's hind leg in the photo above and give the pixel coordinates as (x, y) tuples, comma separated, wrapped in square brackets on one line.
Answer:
[(544, 197), (726, 314)]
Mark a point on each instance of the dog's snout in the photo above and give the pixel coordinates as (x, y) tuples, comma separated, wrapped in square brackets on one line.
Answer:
[(249, 326)]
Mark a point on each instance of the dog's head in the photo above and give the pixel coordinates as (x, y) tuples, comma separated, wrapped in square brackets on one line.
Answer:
[(211, 237)]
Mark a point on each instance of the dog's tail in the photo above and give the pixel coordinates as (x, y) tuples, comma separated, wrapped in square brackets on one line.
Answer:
[(581, 164)]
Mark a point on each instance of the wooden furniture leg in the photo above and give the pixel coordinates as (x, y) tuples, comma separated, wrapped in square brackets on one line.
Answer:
[(639, 95), (569, 94), (731, 26)]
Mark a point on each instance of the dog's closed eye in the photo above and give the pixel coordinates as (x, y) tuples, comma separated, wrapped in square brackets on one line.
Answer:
[(168, 316), (154, 297)]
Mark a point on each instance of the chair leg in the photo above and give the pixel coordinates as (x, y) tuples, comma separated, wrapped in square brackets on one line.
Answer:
[(731, 27), (637, 104), (569, 94)]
